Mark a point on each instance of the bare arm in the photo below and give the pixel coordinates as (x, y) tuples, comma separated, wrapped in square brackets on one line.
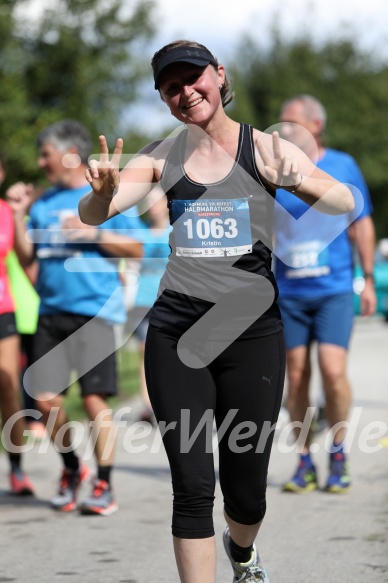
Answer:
[(284, 165), (119, 245), (18, 197), (115, 244), (363, 232), (32, 271), (113, 192)]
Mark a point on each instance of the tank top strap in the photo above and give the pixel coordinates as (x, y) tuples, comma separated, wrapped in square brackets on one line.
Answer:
[(247, 155)]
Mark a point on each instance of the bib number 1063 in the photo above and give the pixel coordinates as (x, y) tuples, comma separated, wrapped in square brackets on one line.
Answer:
[(215, 228)]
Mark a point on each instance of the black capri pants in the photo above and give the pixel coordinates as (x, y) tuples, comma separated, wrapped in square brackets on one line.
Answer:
[(243, 388)]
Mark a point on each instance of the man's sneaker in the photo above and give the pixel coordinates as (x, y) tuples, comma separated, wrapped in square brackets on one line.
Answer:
[(101, 500), (20, 484), (304, 479), (65, 499), (338, 481), (251, 572)]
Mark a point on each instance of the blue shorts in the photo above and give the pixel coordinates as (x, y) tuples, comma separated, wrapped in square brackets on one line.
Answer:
[(326, 319)]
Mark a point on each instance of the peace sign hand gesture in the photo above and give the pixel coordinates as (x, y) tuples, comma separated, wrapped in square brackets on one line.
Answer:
[(103, 175), (279, 170)]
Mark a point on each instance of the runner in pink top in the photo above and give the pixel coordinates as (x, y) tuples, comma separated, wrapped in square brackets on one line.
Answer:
[(12, 435), (6, 244)]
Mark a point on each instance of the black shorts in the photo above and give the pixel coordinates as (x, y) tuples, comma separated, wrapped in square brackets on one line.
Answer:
[(7, 325), (65, 342)]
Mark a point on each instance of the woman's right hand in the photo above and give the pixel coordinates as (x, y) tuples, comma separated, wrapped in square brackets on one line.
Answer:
[(103, 175)]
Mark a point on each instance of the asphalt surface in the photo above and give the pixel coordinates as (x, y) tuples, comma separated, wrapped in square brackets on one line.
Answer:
[(312, 538)]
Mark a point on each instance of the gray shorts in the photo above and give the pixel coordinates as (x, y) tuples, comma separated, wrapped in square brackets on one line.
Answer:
[(69, 342)]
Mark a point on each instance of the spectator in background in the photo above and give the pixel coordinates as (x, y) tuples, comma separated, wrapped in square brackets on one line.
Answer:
[(316, 297), (9, 356), (153, 265), (26, 313), (81, 298), (22, 283)]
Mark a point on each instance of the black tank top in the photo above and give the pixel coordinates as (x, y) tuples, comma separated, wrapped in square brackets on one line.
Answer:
[(221, 236)]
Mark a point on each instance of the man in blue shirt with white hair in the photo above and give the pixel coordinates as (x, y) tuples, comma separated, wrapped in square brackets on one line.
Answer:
[(81, 299)]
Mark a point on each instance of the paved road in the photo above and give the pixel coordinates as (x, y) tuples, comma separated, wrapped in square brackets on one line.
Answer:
[(315, 538)]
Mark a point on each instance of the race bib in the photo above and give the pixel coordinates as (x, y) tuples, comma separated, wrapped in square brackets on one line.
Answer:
[(307, 259), (211, 228)]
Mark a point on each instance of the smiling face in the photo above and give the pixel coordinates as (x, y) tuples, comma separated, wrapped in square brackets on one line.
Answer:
[(192, 93)]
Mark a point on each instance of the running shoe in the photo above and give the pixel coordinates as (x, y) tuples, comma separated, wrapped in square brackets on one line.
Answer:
[(101, 500), (338, 481), (65, 499), (304, 479), (250, 572), (20, 484)]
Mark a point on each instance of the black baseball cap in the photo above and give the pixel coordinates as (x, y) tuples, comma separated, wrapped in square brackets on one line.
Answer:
[(193, 55)]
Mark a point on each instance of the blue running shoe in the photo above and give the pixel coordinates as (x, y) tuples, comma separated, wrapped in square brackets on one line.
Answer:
[(338, 481), (304, 479)]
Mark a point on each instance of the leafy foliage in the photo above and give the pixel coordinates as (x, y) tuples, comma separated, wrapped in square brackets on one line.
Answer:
[(82, 60)]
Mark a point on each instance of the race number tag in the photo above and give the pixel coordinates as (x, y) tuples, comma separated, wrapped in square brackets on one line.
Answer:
[(309, 259), (211, 228)]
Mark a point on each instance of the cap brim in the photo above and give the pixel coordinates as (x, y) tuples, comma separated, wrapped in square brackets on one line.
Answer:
[(166, 62)]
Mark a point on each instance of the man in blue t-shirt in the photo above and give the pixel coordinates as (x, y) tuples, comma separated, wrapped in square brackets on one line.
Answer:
[(314, 273), (81, 299)]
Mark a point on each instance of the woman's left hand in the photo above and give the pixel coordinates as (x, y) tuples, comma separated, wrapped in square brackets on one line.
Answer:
[(279, 170)]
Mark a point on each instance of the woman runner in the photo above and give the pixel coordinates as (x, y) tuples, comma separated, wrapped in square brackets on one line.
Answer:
[(215, 346)]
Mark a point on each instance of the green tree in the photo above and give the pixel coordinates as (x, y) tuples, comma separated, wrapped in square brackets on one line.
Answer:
[(82, 60), (351, 84)]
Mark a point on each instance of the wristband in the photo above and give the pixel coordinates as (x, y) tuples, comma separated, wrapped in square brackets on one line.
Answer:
[(295, 188), (369, 276)]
